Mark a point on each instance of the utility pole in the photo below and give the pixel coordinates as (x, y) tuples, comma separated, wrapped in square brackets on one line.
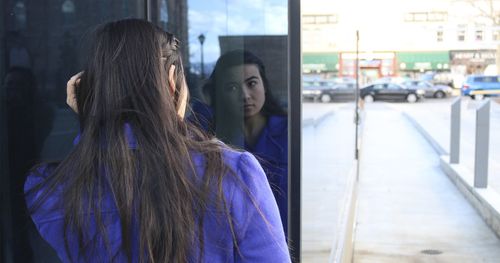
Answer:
[(201, 38), (356, 113)]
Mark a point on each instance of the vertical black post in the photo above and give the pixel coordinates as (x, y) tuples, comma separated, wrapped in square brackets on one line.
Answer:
[(152, 7), (147, 12), (356, 114), (201, 38), (202, 64), (295, 128)]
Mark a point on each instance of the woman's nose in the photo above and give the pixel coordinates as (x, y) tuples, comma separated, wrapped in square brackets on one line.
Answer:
[(244, 92)]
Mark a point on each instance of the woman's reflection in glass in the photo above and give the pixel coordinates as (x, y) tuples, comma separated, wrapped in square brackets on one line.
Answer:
[(242, 111)]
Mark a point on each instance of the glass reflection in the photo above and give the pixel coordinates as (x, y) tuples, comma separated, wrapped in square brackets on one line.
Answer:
[(241, 46), (241, 110), (40, 40), (29, 121)]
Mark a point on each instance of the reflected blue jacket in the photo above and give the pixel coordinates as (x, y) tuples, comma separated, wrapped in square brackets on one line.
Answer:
[(259, 240), (271, 150)]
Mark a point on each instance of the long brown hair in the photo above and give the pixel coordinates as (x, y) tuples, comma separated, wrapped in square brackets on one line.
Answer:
[(154, 184)]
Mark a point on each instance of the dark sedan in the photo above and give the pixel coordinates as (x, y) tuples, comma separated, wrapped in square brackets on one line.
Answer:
[(431, 90), (328, 91), (391, 91)]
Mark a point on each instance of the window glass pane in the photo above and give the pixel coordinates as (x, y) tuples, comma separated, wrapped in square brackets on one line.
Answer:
[(332, 19), (235, 57), (40, 48), (488, 79), (420, 17), (321, 19), (309, 19), (479, 35), (439, 36), (409, 17)]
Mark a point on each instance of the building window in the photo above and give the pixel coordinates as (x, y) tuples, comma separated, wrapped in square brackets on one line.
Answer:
[(320, 19), (496, 35), (434, 16), (309, 19), (437, 16), (332, 19), (420, 17), (461, 33), (479, 35), (409, 17), (439, 35)]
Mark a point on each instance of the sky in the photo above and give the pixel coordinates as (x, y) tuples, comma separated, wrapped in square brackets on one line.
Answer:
[(232, 17)]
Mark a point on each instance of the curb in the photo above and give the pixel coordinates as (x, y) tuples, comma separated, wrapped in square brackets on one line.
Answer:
[(343, 247), (440, 150), (485, 200), (316, 121)]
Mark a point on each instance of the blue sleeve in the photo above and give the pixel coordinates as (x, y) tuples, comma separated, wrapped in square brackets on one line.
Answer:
[(48, 218), (49, 221), (256, 217)]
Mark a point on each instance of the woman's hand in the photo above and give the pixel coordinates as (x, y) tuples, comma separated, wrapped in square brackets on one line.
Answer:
[(72, 84)]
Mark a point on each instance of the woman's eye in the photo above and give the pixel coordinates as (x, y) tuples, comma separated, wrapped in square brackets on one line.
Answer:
[(231, 88), (252, 83)]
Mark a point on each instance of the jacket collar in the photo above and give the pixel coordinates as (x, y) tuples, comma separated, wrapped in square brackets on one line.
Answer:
[(129, 135)]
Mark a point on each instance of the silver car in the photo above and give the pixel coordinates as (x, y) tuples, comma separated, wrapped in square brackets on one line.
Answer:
[(431, 90)]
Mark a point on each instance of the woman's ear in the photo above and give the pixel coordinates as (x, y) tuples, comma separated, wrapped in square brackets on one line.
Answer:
[(171, 79)]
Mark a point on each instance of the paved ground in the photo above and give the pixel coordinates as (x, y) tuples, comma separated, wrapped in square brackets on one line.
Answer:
[(327, 157), (407, 205), (434, 117)]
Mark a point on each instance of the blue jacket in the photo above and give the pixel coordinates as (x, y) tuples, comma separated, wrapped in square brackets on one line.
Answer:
[(260, 240), (271, 150)]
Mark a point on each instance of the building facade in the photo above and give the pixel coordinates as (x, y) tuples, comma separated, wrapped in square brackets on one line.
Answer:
[(405, 38)]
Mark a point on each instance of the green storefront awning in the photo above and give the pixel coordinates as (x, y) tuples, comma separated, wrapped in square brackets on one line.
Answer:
[(320, 61), (429, 60)]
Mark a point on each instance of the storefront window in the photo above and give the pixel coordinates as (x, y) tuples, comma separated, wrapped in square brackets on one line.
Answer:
[(43, 46), (42, 51), (235, 58)]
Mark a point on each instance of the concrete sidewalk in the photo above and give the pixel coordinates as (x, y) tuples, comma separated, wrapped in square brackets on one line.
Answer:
[(328, 153), (408, 210), (434, 118)]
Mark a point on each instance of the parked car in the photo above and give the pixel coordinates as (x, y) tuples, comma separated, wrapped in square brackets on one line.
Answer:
[(439, 78), (391, 79), (327, 91), (480, 86), (391, 91), (431, 90)]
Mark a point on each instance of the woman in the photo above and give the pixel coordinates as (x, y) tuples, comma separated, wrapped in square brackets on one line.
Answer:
[(140, 184), (246, 114)]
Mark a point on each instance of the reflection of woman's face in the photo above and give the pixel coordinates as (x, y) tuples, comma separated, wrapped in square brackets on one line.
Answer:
[(242, 88)]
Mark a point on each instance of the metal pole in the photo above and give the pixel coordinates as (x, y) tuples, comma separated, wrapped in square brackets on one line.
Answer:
[(147, 9), (294, 129), (356, 114), (202, 63), (482, 145), (455, 131)]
